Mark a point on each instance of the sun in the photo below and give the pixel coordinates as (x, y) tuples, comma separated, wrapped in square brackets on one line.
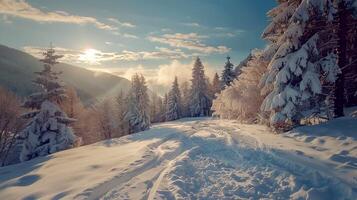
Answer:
[(89, 55)]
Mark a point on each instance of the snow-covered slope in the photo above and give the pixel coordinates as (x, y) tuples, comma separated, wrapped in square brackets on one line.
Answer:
[(197, 159)]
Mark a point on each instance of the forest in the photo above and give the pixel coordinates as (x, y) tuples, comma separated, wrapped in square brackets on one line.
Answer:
[(297, 96)]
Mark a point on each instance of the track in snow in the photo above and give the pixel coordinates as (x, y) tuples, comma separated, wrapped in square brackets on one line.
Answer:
[(207, 160)]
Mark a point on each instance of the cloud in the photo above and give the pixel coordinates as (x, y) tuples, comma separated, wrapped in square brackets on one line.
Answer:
[(124, 24), (226, 32), (6, 19), (166, 30), (192, 24), (125, 35), (167, 72), (98, 57), (190, 41), (160, 79), (22, 9), (140, 69), (68, 54)]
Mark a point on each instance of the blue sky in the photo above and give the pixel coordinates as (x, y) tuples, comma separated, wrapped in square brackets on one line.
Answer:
[(128, 36)]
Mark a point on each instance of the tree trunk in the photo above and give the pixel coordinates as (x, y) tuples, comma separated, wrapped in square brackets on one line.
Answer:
[(339, 99)]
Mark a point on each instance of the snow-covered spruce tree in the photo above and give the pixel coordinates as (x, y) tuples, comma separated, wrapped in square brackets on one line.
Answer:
[(161, 110), (185, 100), (122, 109), (200, 102), (228, 75), (280, 18), (174, 102), (298, 65), (156, 108), (48, 130), (138, 113), (216, 85), (242, 99)]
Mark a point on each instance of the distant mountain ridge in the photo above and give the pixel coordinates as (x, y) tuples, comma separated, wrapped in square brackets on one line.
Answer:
[(16, 74)]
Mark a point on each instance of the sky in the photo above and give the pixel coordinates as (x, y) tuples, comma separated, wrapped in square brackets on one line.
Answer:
[(158, 38)]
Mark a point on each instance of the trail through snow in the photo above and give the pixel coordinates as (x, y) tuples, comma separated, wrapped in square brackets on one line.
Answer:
[(186, 159)]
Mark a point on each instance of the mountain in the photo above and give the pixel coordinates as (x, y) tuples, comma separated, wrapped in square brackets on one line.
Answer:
[(17, 69)]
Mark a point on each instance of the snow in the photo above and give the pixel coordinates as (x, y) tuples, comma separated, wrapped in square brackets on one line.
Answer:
[(197, 158), (46, 133)]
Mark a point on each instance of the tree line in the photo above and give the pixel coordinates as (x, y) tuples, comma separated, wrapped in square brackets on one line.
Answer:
[(55, 118), (306, 73)]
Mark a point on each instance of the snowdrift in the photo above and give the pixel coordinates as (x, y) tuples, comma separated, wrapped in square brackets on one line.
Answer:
[(196, 159)]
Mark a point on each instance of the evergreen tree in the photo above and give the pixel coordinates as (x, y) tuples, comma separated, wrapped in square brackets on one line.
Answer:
[(216, 85), (122, 109), (228, 75), (164, 104), (138, 109), (200, 101), (48, 130), (156, 111), (300, 62), (162, 110), (185, 100), (174, 102)]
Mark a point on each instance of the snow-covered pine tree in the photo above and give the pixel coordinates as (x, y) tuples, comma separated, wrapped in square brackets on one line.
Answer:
[(228, 75), (200, 102), (280, 16), (153, 108), (138, 109), (122, 109), (185, 100), (216, 85), (174, 102), (156, 108), (48, 130), (298, 65), (161, 110)]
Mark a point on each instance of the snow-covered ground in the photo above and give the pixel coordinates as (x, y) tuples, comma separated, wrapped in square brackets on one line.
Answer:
[(198, 159)]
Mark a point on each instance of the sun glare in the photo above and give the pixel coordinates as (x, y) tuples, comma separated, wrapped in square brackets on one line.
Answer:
[(89, 55)]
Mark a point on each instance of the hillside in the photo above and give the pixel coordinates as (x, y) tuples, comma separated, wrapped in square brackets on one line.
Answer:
[(197, 159), (17, 69)]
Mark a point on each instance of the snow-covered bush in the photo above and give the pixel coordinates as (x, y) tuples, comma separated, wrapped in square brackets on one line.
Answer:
[(10, 125), (242, 99)]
